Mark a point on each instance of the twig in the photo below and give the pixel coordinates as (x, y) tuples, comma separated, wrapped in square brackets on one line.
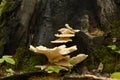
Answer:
[(90, 76)]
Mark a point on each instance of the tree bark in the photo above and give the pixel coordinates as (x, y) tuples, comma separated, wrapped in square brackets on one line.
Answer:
[(36, 22)]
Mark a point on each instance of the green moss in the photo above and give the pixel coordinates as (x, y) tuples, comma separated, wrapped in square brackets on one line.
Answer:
[(19, 57), (118, 67), (5, 6), (26, 61), (35, 59), (115, 28), (106, 57), (109, 63), (1, 43)]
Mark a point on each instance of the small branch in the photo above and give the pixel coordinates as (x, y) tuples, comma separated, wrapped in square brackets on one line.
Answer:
[(89, 76)]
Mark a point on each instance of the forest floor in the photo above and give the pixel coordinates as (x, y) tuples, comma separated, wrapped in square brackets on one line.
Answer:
[(41, 75)]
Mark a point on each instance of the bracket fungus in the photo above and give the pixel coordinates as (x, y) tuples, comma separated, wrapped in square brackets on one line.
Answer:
[(59, 57), (65, 35), (54, 54)]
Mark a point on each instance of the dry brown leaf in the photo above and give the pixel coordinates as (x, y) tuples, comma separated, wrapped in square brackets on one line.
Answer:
[(100, 67), (114, 39), (96, 33)]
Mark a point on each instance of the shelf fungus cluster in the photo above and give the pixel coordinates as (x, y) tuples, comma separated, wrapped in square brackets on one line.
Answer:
[(59, 57), (65, 35)]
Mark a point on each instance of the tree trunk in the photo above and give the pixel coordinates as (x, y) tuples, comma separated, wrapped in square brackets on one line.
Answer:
[(36, 22)]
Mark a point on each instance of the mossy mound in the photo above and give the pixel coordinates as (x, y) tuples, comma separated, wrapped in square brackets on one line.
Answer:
[(106, 57), (115, 28), (26, 61)]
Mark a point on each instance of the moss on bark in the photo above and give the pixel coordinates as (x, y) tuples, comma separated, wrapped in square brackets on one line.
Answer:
[(26, 61)]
